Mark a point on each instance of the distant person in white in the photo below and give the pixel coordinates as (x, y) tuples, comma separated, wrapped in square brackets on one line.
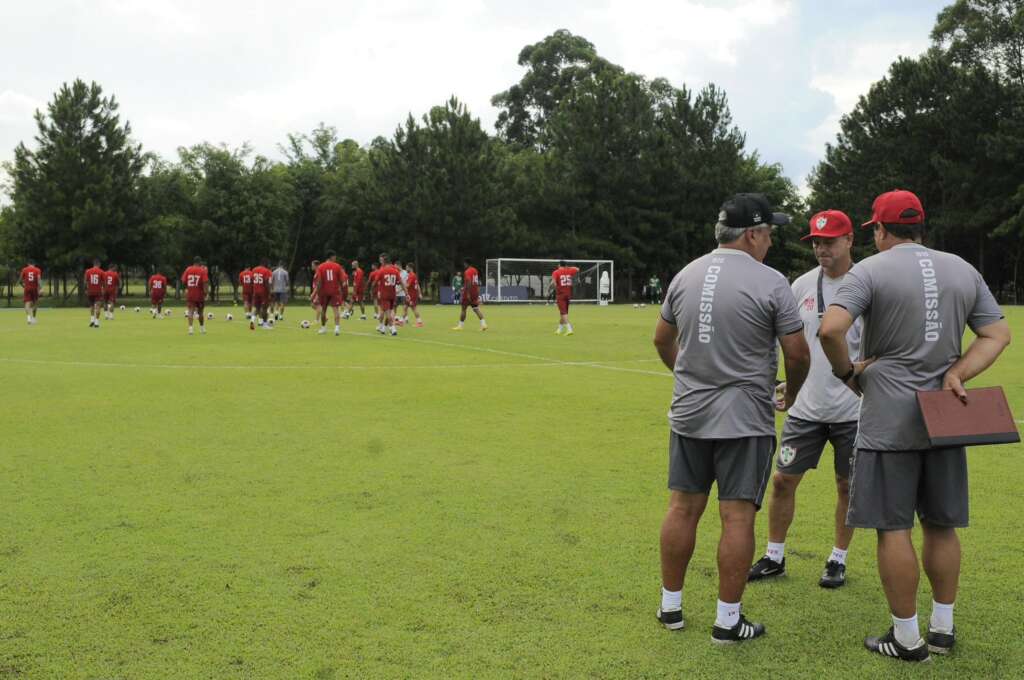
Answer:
[(606, 285), (280, 282), (825, 410), (916, 303)]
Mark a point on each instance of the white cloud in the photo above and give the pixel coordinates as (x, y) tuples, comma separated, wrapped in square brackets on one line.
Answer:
[(852, 66)]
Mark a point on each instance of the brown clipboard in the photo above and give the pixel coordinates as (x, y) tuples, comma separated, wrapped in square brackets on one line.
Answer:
[(984, 419)]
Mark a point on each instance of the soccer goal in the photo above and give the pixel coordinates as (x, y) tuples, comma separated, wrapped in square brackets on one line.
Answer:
[(525, 280)]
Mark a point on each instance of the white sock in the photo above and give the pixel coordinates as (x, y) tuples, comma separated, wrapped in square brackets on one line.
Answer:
[(837, 555), (728, 614), (670, 601), (460, 324), (337, 327), (568, 326), (906, 631), (776, 551), (942, 617), (483, 323), (561, 327)]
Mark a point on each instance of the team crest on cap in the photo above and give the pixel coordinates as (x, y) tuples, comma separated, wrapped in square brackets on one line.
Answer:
[(821, 222), (756, 216), (723, 216), (786, 454)]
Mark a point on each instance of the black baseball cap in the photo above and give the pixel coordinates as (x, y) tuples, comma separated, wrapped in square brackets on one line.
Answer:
[(743, 211)]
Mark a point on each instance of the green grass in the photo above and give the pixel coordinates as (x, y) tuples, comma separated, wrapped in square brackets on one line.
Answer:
[(278, 504)]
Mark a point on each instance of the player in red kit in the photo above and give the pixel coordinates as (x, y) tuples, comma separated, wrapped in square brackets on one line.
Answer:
[(111, 286), (412, 295), (157, 293), (260, 295), (375, 290), (195, 279), (327, 284), (471, 295), (563, 278), (358, 292), (93, 281), (245, 281), (30, 277), (314, 301), (389, 282)]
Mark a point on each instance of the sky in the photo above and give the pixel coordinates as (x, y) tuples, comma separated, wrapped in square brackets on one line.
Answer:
[(186, 71)]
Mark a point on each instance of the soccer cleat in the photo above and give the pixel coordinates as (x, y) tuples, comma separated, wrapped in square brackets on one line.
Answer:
[(672, 619), (337, 331), (483, 328), (252, 325), (558, 331), (202, 330), (834, 575), (394, 332), (362, 317), (569, 332), (888, 646), (743, 630), (190, 332), (380, 329), (321, 331), (419, 324), (457, 328), (939, 642), (766, 567)]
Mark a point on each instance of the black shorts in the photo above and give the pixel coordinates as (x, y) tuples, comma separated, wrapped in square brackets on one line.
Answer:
[(888, 487), (741, 467), (804, 441)]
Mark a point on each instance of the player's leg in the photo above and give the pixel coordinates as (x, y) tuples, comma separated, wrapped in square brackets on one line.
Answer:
[(337, 317), (842, 436), (480, 315), (189, 313), (464, 303), (416, 312)]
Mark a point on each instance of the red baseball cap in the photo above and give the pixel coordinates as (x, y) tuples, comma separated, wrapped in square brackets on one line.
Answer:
[(896, 207), (830, 224)]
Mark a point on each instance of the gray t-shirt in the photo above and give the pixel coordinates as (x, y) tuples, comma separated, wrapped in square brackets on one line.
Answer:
[(730, 310), (915, 302), (823, 398), (279, 280)]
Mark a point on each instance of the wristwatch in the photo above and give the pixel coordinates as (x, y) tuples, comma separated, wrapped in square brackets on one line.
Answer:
[(849, 374)]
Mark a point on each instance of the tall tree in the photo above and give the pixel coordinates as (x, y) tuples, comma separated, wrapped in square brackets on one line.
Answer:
[(75, 195)]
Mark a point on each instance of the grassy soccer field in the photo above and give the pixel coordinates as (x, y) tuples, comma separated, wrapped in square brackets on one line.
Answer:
[(285, 505)]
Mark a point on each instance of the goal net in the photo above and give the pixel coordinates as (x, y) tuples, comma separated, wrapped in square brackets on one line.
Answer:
[(524, 280)]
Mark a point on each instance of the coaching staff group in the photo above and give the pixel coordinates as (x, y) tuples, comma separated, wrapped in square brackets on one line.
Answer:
[(915, 302), (723, 316)]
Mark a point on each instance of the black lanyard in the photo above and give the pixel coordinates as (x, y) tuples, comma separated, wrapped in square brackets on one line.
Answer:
[(821, 297)]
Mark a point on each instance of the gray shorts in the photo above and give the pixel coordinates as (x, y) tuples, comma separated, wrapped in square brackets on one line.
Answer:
[(741, 467), (280, 297), (803, 442), (887, 487)]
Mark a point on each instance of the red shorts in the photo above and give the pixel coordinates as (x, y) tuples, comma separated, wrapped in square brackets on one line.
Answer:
[(196, 303), (470, 300), (247, 297), (110, 296), (94, 298), (413, 299), (563, 303), (329, 300), (360, 294), (259, 299), (156, 299), (31, 295), (387, 303)]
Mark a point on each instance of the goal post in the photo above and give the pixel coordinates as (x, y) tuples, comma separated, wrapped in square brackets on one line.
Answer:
[(529, 280)]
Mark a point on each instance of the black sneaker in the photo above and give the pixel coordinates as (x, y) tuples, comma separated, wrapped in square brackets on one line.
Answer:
[(834, 575), (742, 631), (673, 619), (766, 567), (941, 643), (888, 646)]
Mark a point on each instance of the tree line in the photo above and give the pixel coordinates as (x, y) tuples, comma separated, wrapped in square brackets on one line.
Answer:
[(587, 160)]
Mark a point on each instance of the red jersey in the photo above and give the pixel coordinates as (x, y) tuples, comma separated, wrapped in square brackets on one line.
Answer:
[(245, 281), (562, 278), (374, 279), (94, 280), (261, 281), (195, 278), (412, 284), (358, 277), (111, 281), (388, 277), (471, 281), (328, 279), (157, 285), (30, 276)]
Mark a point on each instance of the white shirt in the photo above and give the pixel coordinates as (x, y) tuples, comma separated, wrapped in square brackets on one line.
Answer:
[(823, 398), (605, 283)]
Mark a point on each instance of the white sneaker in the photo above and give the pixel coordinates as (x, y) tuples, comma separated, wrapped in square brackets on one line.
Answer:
[(337, 330), (190, 329), (322, 331), (202, 329)]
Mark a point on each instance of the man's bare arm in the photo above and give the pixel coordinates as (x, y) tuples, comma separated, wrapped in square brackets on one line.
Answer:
[(990, 342), (666, 341)]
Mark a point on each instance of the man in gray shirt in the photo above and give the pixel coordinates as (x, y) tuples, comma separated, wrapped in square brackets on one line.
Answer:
[(916, 303), (722, 317), (279, 285)]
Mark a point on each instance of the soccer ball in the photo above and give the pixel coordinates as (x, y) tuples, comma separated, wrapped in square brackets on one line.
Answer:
[(642, 305), (229, 317), (209, 315), (636, 305), (123, 308), (136, 310), (304, 324), (167, 312)]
